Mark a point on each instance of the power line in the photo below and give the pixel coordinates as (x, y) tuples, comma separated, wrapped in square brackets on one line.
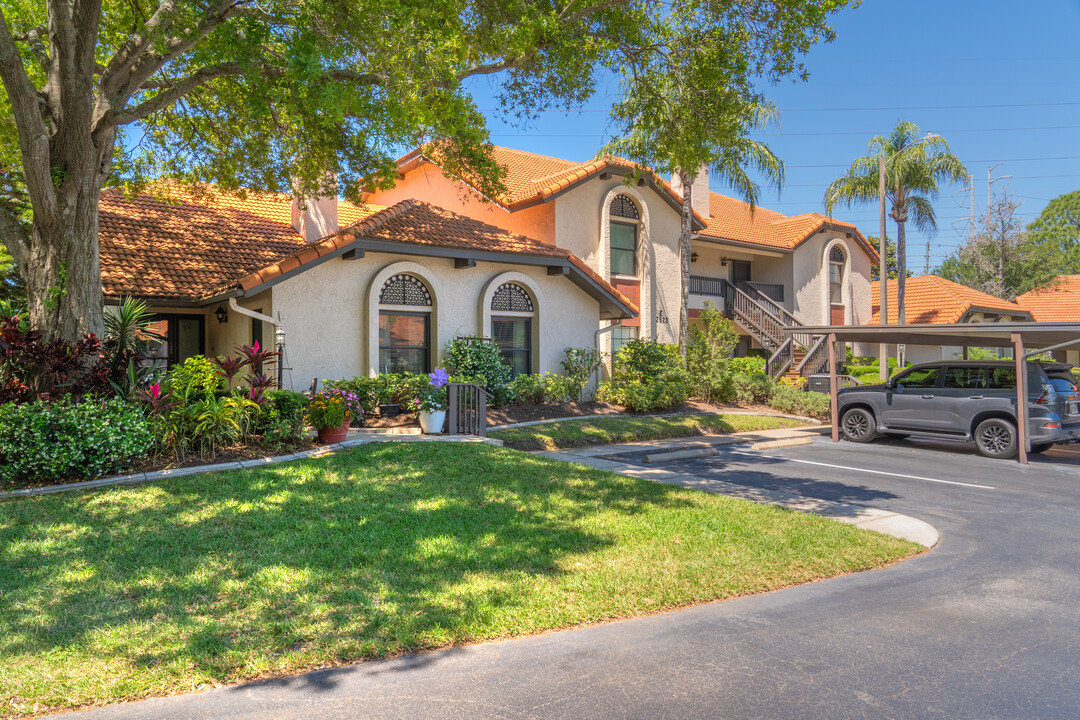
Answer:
[(848, 109)]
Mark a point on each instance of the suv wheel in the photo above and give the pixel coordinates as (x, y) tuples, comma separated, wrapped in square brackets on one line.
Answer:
[(996, 438), (858, 425)]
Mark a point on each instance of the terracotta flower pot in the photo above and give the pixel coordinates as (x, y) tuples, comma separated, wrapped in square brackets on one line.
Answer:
[(329, 436)]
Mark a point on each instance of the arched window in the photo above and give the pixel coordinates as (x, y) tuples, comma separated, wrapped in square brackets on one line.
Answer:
[(836, 275), (624, 223), (404, 325), (512, 314)]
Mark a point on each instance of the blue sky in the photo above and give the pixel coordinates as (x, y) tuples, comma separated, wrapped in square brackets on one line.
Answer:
[(999, 80)]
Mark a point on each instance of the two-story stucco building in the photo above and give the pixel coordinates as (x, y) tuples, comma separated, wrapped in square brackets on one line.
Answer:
[(573, 254)]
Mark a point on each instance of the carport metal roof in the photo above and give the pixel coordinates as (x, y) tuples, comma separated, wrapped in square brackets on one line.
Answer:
[(1022, 337), (1035, 335)]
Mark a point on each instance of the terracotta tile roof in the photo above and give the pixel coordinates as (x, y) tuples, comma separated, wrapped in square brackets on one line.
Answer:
[(419, 223), (929, 299), (731, 219), (1057, 302), (530, 178)]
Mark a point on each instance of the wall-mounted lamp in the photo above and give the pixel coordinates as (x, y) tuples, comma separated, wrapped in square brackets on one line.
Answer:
[(693, 257), (723, 262), (221, 314)]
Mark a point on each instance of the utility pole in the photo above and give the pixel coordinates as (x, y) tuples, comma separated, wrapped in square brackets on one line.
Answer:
[(971, 187)]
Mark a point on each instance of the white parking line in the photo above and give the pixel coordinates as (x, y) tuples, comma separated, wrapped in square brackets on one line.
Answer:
[(873, 472)]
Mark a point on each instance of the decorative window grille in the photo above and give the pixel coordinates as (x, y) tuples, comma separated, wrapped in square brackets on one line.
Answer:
[(624, 207), (404, 289), (511, 297), (836, 255)]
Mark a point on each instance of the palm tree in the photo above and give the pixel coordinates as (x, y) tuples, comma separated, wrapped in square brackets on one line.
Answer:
[(911, 183)]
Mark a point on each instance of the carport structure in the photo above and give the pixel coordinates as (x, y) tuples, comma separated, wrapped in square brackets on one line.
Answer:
[(1026, 340)]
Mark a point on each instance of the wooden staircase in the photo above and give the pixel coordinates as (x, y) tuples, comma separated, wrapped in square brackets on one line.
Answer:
[(797, 355)]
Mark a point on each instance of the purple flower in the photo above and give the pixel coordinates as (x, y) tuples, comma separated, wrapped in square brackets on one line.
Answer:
[(438, 378)]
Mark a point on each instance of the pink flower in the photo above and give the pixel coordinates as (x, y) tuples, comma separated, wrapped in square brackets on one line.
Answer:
[(155, 390), (255, 347)]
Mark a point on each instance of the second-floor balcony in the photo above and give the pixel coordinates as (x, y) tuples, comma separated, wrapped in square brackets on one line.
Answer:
[(714, 287)]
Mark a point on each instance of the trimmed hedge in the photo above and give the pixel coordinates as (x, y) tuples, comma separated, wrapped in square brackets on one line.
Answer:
[(48, 441)]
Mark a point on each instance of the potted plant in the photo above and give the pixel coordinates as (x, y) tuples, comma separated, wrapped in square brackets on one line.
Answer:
[(331, 411), (385, 389), (431, 402)]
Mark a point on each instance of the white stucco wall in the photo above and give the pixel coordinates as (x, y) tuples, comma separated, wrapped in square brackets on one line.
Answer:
[(581, 227), (810, 278), (326, 315)]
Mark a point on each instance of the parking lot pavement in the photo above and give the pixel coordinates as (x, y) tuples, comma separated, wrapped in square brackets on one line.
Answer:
[(985, 625)]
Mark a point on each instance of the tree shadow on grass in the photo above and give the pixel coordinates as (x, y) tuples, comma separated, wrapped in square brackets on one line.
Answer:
[(376, 551)]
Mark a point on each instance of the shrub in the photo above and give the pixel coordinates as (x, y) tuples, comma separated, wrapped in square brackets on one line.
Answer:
[(47, 441), (648, 376), (712, 340), (479, 360), (195, 376), (526, 390), (799, 402), (281, 421), (749, 365), (579, 365), (751, 389), (561, 388), (368, 391)]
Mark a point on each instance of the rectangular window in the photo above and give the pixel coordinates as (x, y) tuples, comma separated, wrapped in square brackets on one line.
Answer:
[(514, 338), (623, 249), (621, 336), (403, 342), (183, 338)]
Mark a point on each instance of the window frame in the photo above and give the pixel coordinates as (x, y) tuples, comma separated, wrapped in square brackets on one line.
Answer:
[(426, 348), (634, 223), (526, 318), (172, 335)]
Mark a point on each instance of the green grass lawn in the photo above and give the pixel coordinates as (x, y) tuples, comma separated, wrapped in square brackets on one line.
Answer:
[(609, 430), (382, 549)]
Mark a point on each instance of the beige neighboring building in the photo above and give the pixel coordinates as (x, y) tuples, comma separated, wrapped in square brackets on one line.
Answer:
[(764, 269), (1058, 301), (929, 299)]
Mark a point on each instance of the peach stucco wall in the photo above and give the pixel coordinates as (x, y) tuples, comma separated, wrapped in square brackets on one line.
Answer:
[(428, 183)]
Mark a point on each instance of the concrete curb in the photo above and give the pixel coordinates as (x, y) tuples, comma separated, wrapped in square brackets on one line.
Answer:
[(138, 478), (777, 444), (808, 420), (876, 519), (679, 455)]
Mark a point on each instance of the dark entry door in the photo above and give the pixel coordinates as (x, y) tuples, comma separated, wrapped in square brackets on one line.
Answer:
[(740, 271)]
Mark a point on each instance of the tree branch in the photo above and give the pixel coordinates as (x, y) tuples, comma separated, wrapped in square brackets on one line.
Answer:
[(14, 236), (27, 110)]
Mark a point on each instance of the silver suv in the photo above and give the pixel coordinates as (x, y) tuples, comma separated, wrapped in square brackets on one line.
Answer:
[(966, 400)]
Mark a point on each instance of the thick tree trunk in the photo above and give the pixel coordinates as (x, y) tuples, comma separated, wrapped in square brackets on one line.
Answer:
[(901, 270), (63, 272), (684, 257)]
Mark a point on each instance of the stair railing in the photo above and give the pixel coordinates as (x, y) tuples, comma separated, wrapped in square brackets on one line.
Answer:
[(467, 411)]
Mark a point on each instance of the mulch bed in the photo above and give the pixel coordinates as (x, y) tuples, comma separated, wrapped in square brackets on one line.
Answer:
[(527, 413)]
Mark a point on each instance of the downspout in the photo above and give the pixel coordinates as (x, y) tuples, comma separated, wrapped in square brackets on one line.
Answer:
[(279, 335), (596, 343)]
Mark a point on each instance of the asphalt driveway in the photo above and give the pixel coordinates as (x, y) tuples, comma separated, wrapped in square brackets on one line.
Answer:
[(986, 625)]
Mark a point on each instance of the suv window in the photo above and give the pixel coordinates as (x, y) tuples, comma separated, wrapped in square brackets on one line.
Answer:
[(919, 378), (965, 378), (1002, 378)]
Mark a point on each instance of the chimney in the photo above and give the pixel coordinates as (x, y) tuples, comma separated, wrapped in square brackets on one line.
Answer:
[(315, 218), (699, 199)]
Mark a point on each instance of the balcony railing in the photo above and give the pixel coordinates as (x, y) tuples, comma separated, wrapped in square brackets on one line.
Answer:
[(713, 287), (773, 291)]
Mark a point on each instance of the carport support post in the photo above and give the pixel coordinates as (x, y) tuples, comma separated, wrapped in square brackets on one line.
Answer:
[(832, 388), (1021, 397)]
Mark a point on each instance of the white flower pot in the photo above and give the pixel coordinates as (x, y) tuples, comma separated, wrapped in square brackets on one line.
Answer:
[(432, 422)]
